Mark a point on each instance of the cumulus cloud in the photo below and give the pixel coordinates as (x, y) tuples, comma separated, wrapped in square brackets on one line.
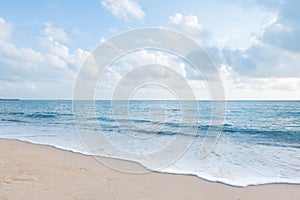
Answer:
[(275, 51), (186, 22), (139, 58), (188, 25), (262, 71), (30, 72), (282, 30), (10, 51), (263, 60), (270, 67), (56, 33), (61, 53), (238, 86), (5, 30), (124, 9), (28, 64), (153, 72)]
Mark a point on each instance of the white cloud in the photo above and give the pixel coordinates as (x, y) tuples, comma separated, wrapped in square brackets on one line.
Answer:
[(56, 33), (189, 21), (139, 58), (124, 9), (59, 54), (120, 69), (188, 25), (244, 87), (263, 60), (9, 51), (56, 61), (260, 72), (5, 30), (54, 47), (19, 63), (49, 73), (284, 31), (269, 68)]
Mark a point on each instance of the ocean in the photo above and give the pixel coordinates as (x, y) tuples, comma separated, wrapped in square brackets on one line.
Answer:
[(259, 142)]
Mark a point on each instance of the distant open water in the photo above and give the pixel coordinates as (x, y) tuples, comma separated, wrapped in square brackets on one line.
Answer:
[(260, 142)]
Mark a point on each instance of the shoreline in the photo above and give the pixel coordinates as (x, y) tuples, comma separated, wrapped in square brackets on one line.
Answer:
[(28, 170), (142, 166)]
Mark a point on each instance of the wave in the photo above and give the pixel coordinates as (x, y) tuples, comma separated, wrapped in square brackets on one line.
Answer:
[(253, 135), (110, 124), (37, 114), (41, 115), (13, 120), (290, 113), (16, 113)]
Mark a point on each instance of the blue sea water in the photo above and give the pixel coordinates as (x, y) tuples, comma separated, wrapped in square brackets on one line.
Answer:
[(259, 144)]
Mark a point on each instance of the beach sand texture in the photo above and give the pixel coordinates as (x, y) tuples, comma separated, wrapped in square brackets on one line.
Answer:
[(30, 171)]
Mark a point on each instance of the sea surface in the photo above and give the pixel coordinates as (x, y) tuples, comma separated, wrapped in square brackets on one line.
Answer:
[(259, 142)]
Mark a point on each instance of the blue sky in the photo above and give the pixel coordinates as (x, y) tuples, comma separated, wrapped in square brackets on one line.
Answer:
[(254, 44)]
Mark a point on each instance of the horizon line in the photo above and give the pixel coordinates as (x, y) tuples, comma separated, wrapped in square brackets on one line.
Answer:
[(63, 99)]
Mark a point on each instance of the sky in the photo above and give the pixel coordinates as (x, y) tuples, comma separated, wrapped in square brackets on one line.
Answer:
[(254, 44)]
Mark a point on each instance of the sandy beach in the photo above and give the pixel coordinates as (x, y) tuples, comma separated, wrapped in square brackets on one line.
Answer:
[(30, 171)]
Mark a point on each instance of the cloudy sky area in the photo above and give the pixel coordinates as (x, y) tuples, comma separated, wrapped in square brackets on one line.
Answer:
[(254, 44)]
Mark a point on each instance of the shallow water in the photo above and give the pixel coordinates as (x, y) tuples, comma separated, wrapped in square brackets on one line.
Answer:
[(260, 140)]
